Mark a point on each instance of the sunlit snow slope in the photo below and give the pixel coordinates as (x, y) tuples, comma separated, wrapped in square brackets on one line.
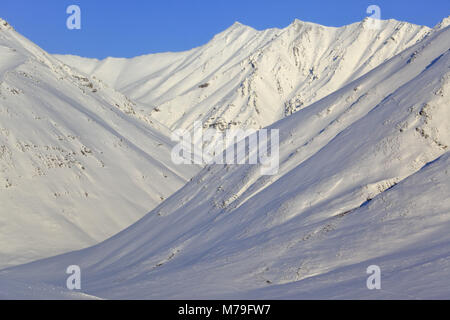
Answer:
[(78, 161), (249, 79), (364, 180)]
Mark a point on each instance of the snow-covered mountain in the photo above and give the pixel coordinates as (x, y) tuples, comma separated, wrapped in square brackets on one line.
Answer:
[(249, 79), (78, 161), (363, 180)]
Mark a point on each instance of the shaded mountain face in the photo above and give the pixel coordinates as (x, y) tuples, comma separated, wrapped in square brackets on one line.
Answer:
[(363, 180), (246, 78), (78, 160)]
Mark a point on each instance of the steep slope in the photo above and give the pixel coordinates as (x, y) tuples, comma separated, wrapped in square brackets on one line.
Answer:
[(78, 161), (363, 180), (249, 79)]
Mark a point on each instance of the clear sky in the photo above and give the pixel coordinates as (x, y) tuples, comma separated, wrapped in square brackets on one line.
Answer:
[(127, 28)]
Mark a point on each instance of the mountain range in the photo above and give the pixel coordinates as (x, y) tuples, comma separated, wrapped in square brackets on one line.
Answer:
[(363, 119)]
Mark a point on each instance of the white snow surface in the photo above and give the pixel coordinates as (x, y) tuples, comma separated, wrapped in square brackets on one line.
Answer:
[(246, 78), (78, 161), (363, 180)]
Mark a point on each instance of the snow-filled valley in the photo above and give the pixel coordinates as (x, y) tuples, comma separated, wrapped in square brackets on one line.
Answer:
[(364, 167), (78, 161)]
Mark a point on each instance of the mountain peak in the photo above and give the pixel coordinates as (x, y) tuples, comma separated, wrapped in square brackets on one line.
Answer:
[(298, 22), (235, 27), (238, 25), (4, 25), (443, 24)]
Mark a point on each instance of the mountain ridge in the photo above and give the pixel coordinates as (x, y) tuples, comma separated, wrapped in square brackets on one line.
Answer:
[(363, 180), (64, 137), (247, 78)]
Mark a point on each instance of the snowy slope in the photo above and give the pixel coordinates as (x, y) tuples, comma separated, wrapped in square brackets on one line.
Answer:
[(78, 161), (363, 180), (249, 79)]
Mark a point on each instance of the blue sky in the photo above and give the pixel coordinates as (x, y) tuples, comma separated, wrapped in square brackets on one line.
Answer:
[(134, 27)]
